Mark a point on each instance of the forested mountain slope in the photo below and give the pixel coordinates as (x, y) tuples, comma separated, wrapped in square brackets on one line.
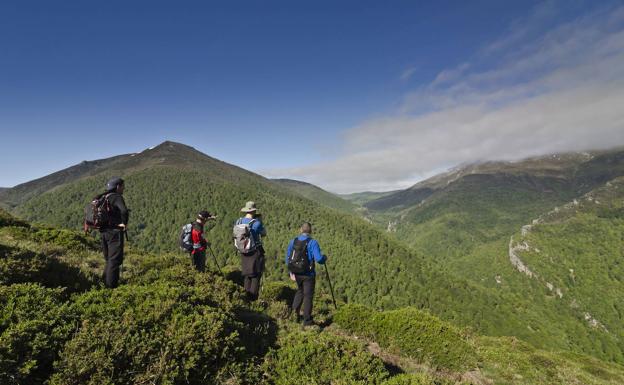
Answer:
[(169, 324), (316, 194), (465, 224), (576, 252), (168, 184)]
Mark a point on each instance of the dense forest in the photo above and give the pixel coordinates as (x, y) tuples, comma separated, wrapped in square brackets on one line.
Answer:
[(167, 185), (168, 324)]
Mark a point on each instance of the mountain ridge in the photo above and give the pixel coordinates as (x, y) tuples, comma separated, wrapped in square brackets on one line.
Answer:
[(167, 184)]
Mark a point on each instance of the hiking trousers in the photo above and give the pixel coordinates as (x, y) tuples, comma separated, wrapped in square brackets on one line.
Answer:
[(252, 266), (252, 286), (305, 296), (199, 260), (113, 250)]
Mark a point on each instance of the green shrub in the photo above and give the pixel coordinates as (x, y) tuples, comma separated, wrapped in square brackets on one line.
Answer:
[(278, 291), (65, 239), (319, 359), (411, 379), (165, 333), (356, 318), (7, 219), (411, 332), (34, 325), (21, 266), (218, 291)]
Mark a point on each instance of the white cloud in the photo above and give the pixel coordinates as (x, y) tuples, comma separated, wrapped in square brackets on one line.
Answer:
[(407, 74), (560, 91)]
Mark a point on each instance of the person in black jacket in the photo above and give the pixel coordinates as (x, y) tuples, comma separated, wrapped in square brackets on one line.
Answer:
[(113, 233)]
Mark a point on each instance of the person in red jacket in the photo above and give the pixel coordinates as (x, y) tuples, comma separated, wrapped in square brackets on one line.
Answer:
[(198, 255)]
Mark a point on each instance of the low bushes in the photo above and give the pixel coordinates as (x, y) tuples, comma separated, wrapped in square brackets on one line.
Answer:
[(162, 332), (34, 325), (412, 379), (7, 219), (319, 359), (20, 266), (411, 332)]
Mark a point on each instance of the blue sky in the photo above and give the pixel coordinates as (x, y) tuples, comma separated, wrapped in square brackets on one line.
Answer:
[(317, 88)]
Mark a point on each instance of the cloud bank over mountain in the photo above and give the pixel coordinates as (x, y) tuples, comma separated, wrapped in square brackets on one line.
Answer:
[(551, 84)]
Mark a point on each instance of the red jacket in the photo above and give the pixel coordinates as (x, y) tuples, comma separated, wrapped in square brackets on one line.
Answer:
[(197, 235)]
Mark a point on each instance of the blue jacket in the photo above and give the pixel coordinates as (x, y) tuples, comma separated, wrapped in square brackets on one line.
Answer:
[(314, 252), (257, 229)]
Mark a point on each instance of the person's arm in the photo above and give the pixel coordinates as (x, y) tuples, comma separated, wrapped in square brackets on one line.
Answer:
[(120, 204), (259, 228), (315, 250), (289, 250)]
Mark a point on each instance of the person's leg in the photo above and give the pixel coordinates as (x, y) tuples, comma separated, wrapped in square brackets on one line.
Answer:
[(247, 284), (298, 300), (115, 258), (254, 286), (104, 240), (199, 260), (308, 296)]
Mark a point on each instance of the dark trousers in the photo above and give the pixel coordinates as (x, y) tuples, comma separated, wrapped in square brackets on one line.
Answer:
[(305, 295), (199, 260), (252, 286), (113, 250), (252, 266)]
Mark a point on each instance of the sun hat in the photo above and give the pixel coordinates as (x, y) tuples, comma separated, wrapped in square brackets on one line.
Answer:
[(250, 207)]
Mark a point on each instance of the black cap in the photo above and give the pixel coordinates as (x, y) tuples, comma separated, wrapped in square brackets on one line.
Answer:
[(205, 215), (113, 183)]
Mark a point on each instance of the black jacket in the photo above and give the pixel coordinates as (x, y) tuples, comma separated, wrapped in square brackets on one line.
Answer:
[(119, 212)]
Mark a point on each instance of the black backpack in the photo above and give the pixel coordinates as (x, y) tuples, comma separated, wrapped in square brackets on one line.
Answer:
[(298, 262), (97, 213)]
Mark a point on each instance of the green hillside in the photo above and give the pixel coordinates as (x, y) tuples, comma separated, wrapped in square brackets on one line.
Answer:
[(316, 194), (577, 253), (168, 184), (360, 198), (465, 227), (168, 324)]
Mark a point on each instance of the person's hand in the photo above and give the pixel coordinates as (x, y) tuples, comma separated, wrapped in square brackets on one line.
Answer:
[(292, 277), (122, 226)]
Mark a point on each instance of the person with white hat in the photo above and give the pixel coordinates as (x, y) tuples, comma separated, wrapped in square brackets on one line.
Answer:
[(250, 249)]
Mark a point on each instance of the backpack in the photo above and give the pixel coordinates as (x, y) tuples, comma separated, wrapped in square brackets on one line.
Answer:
[(97, 213), (298, 262), (243, 239), (186, 239)]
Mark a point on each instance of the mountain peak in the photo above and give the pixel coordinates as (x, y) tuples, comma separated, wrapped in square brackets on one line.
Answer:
[(169, 145)]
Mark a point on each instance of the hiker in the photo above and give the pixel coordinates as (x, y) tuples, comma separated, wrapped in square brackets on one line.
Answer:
[(303, 251), (112, 233), (248, 233), (200, 244)]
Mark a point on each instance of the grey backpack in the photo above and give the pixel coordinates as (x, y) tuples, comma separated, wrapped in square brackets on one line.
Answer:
[(243, 239), (185, 239)]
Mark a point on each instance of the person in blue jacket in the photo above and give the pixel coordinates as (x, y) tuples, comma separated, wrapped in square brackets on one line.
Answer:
[(304, 274)]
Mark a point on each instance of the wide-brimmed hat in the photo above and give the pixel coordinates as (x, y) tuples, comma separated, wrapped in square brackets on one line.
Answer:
[(250, 207)]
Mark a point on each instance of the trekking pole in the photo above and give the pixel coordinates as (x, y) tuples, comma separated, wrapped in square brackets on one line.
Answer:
[(331, 289), (215, 259)]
